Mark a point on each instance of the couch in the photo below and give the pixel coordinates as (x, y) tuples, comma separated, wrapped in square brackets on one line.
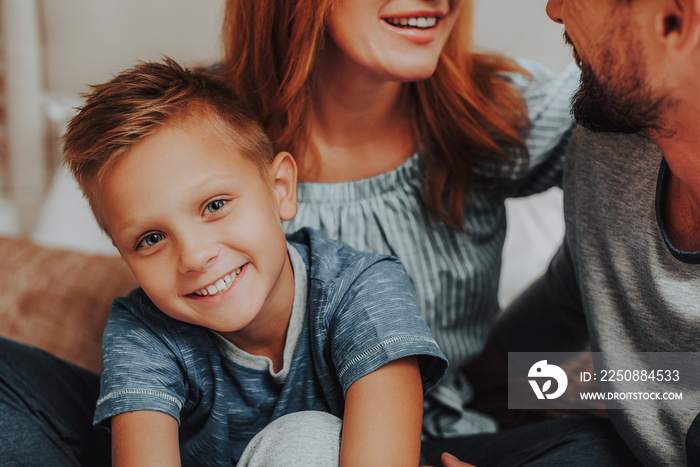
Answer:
[(58, 300)]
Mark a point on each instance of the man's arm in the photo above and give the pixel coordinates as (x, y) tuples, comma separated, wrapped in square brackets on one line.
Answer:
[(383, 416), (145, 438), (547, 317)]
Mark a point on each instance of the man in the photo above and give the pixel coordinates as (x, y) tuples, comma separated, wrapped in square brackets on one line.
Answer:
[(632, 206), (631, 257)]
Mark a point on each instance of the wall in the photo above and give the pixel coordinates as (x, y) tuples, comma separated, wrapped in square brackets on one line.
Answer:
[(4, 167), (105, 35), (521, 28), (87, 41)]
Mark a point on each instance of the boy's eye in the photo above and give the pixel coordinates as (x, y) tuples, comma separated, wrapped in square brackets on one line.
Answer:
[(150, 239), (215, 205)]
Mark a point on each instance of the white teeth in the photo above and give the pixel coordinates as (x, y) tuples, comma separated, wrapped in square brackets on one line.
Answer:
[(420, 22), (219, 286)]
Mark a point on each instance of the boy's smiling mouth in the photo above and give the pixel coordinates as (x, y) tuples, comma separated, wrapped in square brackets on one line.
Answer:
[(220, 285)]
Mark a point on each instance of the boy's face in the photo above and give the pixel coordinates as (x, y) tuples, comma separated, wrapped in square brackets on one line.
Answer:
[(199, 226)]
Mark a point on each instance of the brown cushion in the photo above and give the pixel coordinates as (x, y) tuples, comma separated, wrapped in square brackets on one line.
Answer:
[(58, 300)]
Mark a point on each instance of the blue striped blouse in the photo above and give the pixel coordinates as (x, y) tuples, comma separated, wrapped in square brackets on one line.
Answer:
[(455, 275)]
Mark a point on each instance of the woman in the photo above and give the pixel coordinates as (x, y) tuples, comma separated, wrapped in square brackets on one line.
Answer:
[(407, 143)]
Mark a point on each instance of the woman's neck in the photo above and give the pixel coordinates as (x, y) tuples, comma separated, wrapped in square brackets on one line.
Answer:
[(359, 126)]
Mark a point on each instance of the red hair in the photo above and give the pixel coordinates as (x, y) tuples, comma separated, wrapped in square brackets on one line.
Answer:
[(467, 111)]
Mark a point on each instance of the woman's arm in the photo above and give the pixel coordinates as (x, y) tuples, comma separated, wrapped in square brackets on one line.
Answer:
[(383, 417), (145, 438), (548, 99)]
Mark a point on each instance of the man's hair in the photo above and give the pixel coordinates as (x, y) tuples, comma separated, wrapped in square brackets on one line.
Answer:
[(136, 103)]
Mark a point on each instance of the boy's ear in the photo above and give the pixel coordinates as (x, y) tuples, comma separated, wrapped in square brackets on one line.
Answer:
[(283, 172)]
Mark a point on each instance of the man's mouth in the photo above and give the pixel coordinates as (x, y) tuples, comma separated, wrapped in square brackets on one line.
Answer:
[(417, 22), (570, 43), (220, 285)]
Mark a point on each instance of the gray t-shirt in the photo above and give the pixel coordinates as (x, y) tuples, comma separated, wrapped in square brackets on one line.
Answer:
[(360, 314), (640, 294), (617, 269)]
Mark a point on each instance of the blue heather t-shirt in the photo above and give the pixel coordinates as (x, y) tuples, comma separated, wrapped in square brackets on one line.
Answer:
[(353, 313)]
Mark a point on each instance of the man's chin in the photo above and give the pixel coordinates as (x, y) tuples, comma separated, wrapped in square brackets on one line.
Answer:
[(596, 119), (599, 114), (601, 108), (592, 110)]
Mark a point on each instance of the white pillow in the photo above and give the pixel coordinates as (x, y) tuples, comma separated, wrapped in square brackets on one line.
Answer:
[(535, 231), (9, 223), (65, 220)]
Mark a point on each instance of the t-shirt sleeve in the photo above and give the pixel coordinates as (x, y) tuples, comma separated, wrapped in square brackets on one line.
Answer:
[(376, 321), (140, 368), (548, 98)]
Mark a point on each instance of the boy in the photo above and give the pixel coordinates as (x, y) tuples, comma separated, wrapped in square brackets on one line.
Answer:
[(235, 326)]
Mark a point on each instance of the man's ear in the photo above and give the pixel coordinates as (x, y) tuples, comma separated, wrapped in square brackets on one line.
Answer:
[(283, 172), (678, 22)]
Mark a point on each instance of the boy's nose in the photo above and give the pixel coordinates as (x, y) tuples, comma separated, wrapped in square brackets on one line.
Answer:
[(197, 255), (554, 10)]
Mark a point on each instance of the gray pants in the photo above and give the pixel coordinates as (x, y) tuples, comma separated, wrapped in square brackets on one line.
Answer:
[(310, 439)]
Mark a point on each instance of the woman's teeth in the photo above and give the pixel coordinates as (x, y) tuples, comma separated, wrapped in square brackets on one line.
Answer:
[(420, 22), (219, 286)]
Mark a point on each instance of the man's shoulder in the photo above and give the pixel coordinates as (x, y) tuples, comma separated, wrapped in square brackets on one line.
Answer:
[(591, 142), (611, 165)]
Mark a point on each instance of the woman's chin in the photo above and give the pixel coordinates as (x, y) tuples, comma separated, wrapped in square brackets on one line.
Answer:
[(412, 74)]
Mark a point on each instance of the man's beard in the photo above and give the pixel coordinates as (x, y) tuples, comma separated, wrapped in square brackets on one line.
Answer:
[(620, 103)]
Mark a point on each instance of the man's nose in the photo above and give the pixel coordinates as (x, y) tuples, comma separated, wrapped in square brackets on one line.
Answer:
[(554, 10)]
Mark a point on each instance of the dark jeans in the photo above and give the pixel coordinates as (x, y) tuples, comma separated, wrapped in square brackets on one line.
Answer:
[(571, 441), (46, 408)]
